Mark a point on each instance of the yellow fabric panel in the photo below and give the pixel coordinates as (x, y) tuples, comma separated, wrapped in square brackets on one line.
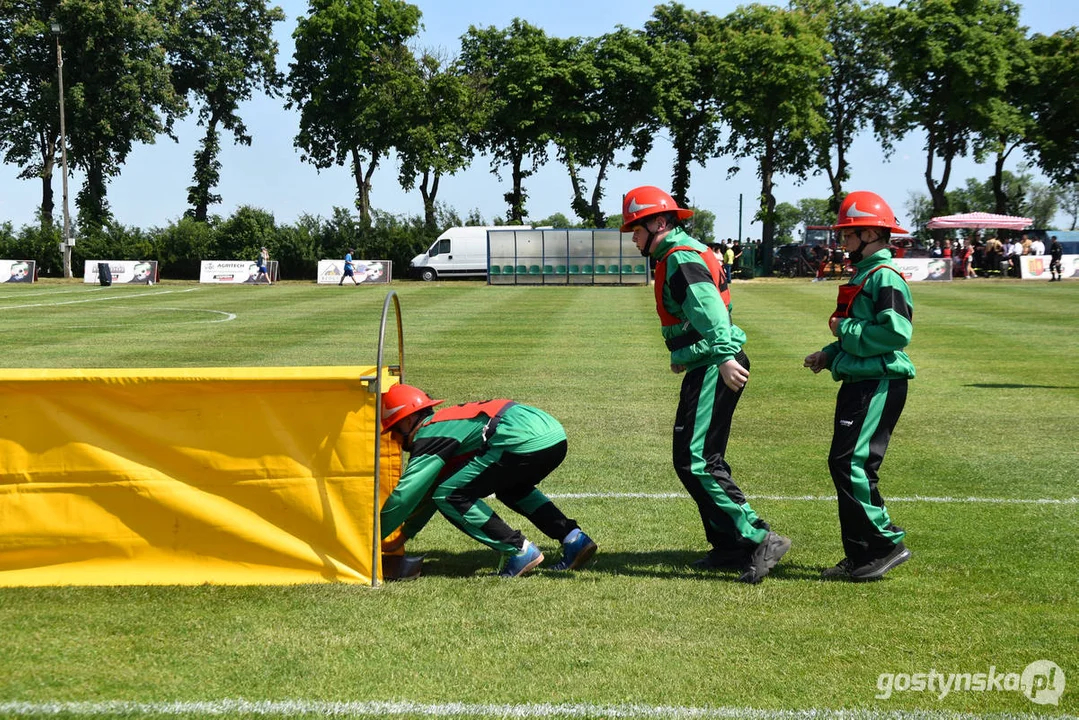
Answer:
[(187, 476)]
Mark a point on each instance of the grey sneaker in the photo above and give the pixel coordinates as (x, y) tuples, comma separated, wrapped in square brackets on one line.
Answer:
[(764, 558), (875, 569), (841, 570)]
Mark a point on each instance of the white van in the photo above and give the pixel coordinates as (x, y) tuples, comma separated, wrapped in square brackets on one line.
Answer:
[(458, 252)]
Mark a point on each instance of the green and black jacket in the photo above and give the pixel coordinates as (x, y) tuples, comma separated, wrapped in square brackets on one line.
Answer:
[(705, 334), (870, 340)]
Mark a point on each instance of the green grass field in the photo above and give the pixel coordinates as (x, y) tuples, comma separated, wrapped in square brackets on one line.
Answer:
[(981, 472)]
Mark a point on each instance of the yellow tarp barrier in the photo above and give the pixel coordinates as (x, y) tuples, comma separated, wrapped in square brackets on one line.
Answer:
[(188, 476)]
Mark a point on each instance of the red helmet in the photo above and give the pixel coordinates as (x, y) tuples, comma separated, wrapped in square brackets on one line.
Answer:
[(865, 209), (646, 200), (402, 400)]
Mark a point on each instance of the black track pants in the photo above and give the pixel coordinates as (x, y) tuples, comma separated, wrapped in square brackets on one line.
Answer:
[(866, 412), (702, 426)]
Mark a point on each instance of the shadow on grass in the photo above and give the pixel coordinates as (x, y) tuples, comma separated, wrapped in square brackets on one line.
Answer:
[(653, 564), (1019, 386)]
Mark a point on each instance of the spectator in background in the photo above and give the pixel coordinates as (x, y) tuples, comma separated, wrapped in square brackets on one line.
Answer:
[(1026, 245), (820, 256), (737, 247), (1037, 247), (966, 259), (349, 271), (1056, 254), (936, 250), (978, 259), (994, 255), (263, 262), (1013, 251), (728, 261)]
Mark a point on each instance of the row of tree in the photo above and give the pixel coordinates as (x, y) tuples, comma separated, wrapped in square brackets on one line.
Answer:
[(180, 246), (788, 88)]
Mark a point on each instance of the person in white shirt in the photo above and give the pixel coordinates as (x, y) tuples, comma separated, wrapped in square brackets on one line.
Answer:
[(1037, 247)]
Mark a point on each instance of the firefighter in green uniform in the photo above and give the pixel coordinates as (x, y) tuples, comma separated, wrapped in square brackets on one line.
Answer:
[(872, 325), (460, 455), (693, 303)]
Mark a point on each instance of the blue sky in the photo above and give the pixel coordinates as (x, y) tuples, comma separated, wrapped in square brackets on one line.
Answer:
[(269, 174)]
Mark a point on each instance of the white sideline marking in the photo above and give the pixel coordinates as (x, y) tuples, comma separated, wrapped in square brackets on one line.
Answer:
[(103, 299), (326, 708), (831, 498)]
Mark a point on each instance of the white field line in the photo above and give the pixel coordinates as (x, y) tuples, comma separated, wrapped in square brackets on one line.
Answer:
[(227, 316), (52, 292), (359, 708), (819, 498), (102, 299)]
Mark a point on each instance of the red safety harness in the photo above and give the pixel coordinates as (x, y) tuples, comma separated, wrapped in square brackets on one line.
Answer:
[(715, 267), (848, 292), (493, 409)]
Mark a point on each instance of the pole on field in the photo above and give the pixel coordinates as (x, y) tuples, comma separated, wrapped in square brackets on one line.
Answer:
[(63, 151), (375, 386), (739, 217)]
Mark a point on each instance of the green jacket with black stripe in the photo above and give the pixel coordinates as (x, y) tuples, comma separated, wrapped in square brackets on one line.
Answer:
[(442, 447), (869, 342), (690, 295)]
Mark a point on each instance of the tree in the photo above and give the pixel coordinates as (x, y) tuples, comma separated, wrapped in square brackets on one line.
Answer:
[(435, 141), (512, 71), (220, 52), (1054, 103), (701, 226), (771, 65), (787, 218), (816, 211), (117, 91), (919, 209), (604, 107), (1069, 201), (684, 45), (1023, 196), (350, 71), (29, 106), (856, 91), (953, 59), (558, 220)]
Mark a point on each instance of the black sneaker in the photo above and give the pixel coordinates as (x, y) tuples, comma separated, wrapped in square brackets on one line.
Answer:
[(875, 569), (764, 558), (718, 559), (841, 570)]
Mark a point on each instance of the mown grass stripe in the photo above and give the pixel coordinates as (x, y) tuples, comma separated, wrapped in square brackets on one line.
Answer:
[(797, 498), (322, 708)]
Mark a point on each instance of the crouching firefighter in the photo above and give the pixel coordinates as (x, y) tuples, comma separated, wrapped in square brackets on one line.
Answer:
[(459, 455)]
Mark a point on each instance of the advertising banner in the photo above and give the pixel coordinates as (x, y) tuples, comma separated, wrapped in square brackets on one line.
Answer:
[(1036, 267), (238, 272), (367, 272), (124, 272), (17, 271), (927, 269)]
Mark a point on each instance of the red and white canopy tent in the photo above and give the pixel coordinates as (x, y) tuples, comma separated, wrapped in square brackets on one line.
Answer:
[(979, 220)]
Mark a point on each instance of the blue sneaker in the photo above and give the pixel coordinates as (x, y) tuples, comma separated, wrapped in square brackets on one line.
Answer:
[(576, 553), (517, 565)]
